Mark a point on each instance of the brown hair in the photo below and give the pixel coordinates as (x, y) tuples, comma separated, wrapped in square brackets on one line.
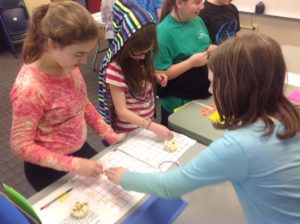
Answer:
[(167, 7), (64, 22), (135, 74), (248, 84)]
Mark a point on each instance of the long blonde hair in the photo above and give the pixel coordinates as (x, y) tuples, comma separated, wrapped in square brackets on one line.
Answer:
[(65, 22)]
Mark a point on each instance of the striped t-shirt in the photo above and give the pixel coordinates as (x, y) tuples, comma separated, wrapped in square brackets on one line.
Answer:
[(141, 104)]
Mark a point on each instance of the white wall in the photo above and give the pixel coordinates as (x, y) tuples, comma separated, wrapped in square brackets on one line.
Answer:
[(285, 31), (282, 8)]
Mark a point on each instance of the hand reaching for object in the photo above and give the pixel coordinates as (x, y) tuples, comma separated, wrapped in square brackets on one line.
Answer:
[(114, 174)]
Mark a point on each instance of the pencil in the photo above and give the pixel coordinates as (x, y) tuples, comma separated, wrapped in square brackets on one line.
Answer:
[(56, 198)]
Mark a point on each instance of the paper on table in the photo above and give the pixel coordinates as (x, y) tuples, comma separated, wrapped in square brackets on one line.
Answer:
[(146, 147), (108, 202)]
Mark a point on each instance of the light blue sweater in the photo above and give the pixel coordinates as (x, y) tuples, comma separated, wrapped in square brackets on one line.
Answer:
[(265, 172)]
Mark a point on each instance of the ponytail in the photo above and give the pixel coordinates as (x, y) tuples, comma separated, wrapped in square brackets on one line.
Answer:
[(167, 8), (33, 46), (64, 22)]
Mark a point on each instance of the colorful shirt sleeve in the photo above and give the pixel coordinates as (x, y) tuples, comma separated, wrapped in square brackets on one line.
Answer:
[(223, 160)]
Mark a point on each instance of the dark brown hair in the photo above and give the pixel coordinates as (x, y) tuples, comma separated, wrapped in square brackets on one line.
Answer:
[(135, 74), (167, 7), (248, 84), (65, 22)]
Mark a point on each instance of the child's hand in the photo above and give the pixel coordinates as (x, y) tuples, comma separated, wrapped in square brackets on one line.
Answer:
[(90, 168), (120, 137), (114, 174), (115, 138), (162, 79), (160, 130), (211, 48), (198, 60)]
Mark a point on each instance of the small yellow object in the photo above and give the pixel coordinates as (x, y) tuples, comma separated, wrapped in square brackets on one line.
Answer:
[(79, 210), (170, 145), (215, 117)]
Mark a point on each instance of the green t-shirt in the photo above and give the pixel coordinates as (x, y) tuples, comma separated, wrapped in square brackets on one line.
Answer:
[(177, 42)]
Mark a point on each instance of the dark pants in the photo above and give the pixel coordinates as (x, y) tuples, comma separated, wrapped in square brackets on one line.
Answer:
[(164, 116), (40, 177)]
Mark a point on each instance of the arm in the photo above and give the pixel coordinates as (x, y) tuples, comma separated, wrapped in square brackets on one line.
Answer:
[(175, 70), (158, 12), (161, 78), (28, 111), (158, 5), (211, 48), (26, 117), (119, 100), (223, 160), (95, 121)]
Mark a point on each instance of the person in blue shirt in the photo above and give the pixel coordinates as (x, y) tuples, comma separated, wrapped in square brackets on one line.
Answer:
[(152, 6), (260, 152)]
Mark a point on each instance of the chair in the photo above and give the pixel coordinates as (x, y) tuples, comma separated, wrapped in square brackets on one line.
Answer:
[(13, 19), (99, 50), (106, 33)]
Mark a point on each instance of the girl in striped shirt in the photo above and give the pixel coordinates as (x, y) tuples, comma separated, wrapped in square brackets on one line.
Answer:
[(128, 70)]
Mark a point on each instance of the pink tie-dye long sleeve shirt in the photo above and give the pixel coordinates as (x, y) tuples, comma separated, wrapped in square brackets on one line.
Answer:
[(49, 118)]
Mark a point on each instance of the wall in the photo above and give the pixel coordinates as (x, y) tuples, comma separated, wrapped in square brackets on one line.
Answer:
[(31, 4), (281, 8), (285, 31), (94, 5)]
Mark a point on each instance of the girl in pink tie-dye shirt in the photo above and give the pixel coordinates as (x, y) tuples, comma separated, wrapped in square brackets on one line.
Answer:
[(51, 109)]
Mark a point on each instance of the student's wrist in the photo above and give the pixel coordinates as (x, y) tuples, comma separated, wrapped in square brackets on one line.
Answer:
[(190, 63), (145, 123), (110, 138), (149, 124), (123, 179)]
